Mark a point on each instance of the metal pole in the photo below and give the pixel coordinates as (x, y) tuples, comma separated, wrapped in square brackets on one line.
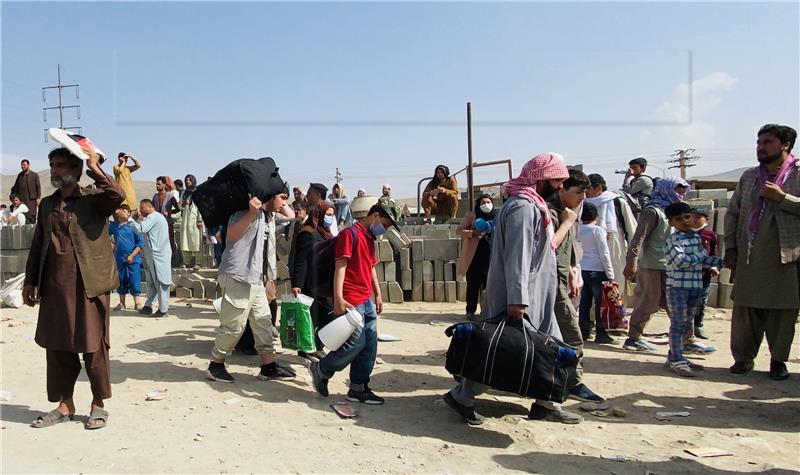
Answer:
[(470, 191), (60, 107)]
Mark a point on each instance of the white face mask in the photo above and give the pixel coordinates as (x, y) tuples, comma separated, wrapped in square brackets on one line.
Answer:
[(329, 221), (487, 207)]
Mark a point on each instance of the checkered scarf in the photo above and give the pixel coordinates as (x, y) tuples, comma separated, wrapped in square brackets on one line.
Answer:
[(545, 166)]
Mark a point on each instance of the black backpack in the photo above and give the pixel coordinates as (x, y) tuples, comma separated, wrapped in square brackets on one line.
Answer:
[(323, 264), (227, 191)]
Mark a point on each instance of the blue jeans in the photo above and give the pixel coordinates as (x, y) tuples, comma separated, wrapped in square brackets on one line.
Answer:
[(683, 304), (359, 351)]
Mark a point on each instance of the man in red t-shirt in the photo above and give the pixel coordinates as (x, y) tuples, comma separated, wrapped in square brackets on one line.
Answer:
[(354, 283)]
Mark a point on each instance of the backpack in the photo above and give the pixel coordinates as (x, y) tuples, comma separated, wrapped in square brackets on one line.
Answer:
[(323, 256), (226, 192), (621, 219)]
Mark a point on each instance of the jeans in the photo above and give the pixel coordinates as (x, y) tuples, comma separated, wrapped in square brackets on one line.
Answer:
[(592, 292), (683, 305), (359, 351)]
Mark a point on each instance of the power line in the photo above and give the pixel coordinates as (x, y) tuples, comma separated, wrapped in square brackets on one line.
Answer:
[(60, 87), (684, 160)]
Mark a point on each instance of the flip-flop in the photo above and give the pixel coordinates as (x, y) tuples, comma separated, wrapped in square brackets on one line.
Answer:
[(51, 418), (97, 414)]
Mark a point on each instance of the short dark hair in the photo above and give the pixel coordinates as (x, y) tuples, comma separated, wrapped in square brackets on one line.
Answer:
[(589, 213), (147, 201), (283, 191), (641, 161), (178, 182), (577, 178), (25, 160), (784, 133), (597, 179), (125, 207), (121, 154), (676, 209)]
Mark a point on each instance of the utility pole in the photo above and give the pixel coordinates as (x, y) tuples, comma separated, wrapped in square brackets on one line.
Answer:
[(470, 184), (338, 177), (684, 159), (61, 105)]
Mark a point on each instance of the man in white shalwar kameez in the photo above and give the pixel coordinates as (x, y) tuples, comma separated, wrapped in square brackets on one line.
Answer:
[(618, 234), (157, 257)]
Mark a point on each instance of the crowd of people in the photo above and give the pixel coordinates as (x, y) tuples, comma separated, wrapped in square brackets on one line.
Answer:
[(540, 253)]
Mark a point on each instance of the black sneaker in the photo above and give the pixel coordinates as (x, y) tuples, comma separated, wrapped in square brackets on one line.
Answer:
[(146, 310), (366, 396), (217, 372), (742, 367), (320, 384), (468, 413), (159, 314), (604, 338), (778, 371), (700, 333), (582, 393), (272, 371)]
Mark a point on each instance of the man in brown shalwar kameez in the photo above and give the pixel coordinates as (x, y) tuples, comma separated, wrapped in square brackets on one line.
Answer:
[(762, 244), (72, 265)]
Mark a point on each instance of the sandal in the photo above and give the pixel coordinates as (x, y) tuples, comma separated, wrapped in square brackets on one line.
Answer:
[(100, 416), (681, 368), (51, 418), (117, 308)]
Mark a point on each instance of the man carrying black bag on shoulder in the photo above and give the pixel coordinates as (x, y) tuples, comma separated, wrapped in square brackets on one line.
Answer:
[(522, 274)]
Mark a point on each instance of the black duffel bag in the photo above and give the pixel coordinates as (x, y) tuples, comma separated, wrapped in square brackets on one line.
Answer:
[(227, 191), (502, 353)]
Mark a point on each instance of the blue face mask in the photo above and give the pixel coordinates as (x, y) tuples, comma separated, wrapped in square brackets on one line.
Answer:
[(377, 229), (329, 221)]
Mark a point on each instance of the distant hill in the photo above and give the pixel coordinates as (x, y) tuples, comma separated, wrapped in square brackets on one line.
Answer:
[(144, 189)]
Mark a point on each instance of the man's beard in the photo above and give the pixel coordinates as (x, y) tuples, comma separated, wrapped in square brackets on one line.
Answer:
[(548, 190), (766, 159), (62, 181)]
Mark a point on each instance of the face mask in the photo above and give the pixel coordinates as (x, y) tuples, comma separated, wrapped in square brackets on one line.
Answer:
[(377, 229), (329, 221), (487, 207)]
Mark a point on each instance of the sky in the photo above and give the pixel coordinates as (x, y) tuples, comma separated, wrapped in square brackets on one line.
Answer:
[(379, 90)]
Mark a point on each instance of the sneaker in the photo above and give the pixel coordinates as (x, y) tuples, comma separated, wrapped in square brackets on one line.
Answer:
[(582, 393), (159, 314), (320, 384), (697, 348), (217, 372), (272, 371), (700, 333), (541, 413), (604, 338), (681, 368), (468, 413), (118, 307), (741, 367), (366, 396), (146, 310), (319, 354), (778, 371), (637, 345)]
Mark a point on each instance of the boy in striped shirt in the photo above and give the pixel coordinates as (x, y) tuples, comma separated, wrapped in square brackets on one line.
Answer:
[(686, 258)]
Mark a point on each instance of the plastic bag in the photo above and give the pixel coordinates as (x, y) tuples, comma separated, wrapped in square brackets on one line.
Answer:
[(612, 310), (297, 329), (11, 293)]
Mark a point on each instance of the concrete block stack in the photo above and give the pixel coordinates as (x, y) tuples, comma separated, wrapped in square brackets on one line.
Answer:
[(389, 251), (15, 243), (433, 270)]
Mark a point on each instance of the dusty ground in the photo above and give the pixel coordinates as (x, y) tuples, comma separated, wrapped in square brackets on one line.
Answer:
[(284, 427)]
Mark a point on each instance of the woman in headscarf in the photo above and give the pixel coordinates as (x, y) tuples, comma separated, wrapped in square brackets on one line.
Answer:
[(166, 203), (317, 228), (646, 260), (344, 217), (476, 249), (440, 197), (191, 224)]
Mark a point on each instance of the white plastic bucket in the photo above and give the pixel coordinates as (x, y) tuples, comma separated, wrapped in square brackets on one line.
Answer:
[(334, 334)]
